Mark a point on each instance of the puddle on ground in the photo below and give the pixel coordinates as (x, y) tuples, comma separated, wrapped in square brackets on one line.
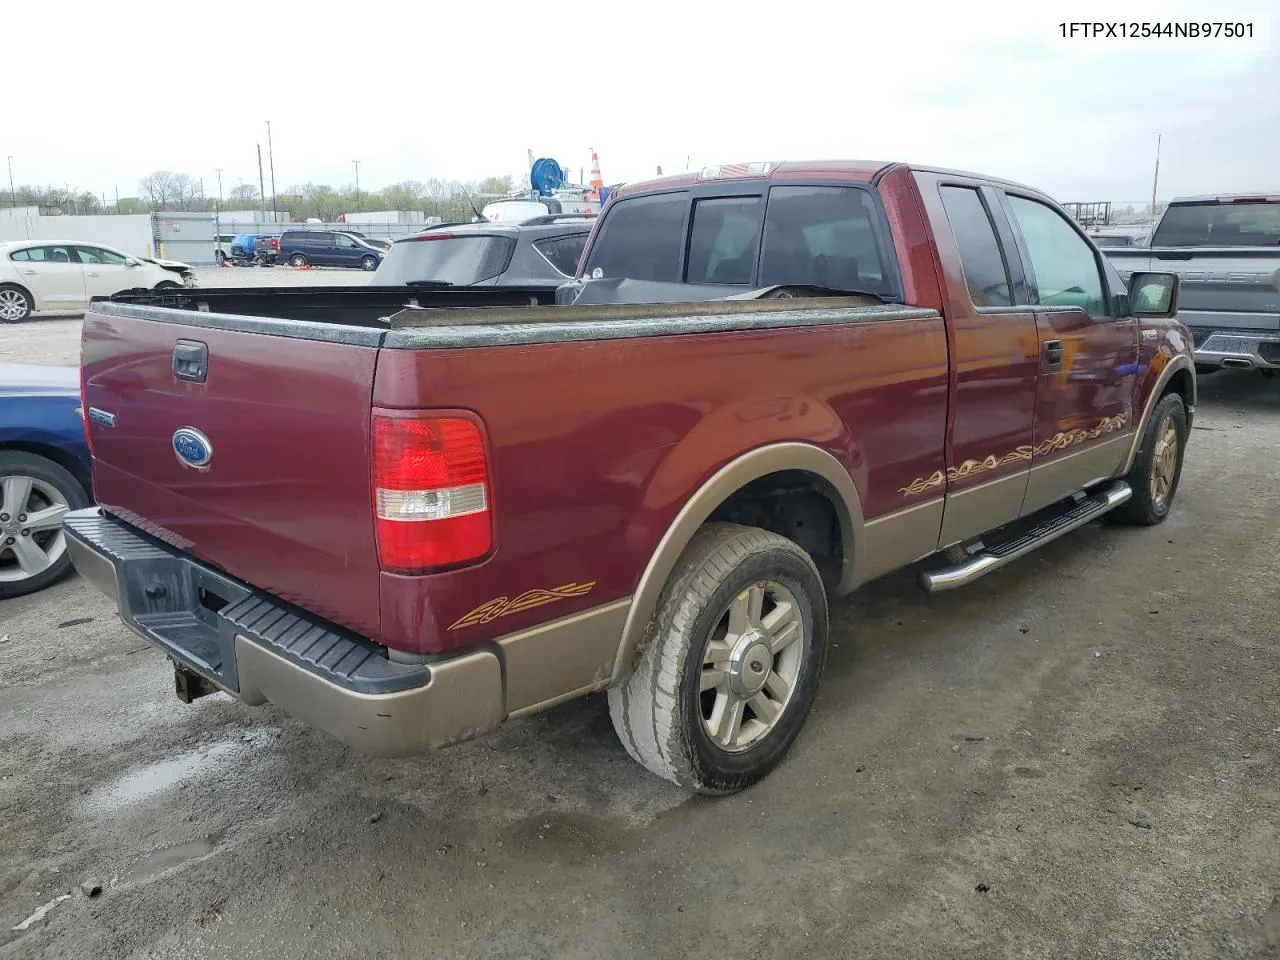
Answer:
[(160, 861), (155, 778)]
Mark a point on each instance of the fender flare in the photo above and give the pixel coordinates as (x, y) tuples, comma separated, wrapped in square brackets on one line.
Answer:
[(1180, 362), (727, 481)]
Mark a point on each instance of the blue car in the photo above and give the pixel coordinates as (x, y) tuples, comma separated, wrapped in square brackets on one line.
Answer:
[(44, 472)]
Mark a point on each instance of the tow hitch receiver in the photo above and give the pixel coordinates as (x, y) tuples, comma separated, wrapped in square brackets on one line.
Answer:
[(190, 686)]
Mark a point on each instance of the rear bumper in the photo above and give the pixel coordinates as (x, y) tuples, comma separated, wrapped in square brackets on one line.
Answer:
[(260, 650), (1237, 348)]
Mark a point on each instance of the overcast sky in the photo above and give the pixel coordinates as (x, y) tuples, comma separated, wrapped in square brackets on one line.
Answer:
[(107, 92)]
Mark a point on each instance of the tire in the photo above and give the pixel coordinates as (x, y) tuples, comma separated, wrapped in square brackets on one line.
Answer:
[(168, 285), (661, 713), (16, 304), (219, 257), (1153, 495), (297, 260), (47, 488), (369, 263)]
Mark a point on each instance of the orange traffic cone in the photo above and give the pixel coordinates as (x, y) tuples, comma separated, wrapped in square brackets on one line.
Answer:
[(597, 181)]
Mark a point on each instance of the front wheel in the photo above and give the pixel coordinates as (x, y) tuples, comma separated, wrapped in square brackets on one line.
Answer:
[(1158, 466), (35, 494), (369, 263), (731, 663), (15, 304), (168, 285), (298, 260)]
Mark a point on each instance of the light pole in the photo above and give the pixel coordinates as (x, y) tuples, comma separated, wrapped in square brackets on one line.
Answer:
[(271, 159), (357, 163), (13, 194)]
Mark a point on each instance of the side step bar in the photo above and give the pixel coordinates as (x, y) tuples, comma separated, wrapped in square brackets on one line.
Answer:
[(993, 557)]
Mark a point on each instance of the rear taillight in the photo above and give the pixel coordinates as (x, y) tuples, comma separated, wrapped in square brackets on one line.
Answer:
[(431, 492)]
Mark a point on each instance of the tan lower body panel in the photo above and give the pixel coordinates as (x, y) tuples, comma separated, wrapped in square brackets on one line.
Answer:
[(563, 659), (462, 701), (1054, 479), (973, 511), (900, 538)]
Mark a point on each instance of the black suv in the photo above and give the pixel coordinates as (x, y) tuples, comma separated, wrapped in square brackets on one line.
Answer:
[(537, 252)]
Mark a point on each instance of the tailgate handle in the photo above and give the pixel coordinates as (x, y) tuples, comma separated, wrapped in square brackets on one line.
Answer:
[(191, 360)]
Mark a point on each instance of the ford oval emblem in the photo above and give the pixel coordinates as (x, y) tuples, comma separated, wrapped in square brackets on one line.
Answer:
[(192, 447)]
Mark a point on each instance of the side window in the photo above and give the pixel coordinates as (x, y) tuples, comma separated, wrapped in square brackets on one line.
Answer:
[(343, 241), (98, 255), (49, 255), (724, 240), (563, 253), (984, 267), (640, 239), (22, 256), (826, 236), (1065, 270)]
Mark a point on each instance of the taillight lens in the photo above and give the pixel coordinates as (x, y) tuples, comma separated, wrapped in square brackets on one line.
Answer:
[(431, 492)]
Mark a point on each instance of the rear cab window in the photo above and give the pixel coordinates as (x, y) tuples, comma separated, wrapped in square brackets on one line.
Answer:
[(764, 234), (1235, 223), (456, 259)]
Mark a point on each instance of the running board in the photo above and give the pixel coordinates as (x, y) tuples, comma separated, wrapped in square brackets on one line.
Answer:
[(996, 555)]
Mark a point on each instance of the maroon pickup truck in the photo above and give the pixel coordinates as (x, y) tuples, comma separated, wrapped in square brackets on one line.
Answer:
[(406, 521)]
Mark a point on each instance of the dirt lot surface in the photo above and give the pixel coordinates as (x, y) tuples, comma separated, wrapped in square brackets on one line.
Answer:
[(1075, 757)]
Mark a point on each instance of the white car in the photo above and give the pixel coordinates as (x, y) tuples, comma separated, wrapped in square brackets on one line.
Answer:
[(52, 275)]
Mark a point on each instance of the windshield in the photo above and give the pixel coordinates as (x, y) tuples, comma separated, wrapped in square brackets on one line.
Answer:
[(458, 260), (1213, 224)]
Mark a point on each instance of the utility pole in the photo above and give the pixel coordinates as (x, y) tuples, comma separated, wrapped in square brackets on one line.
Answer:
[(219, 171), (117, 200), (1156, 179), (262, 186), (357, 163), (13, 194), (271, 159)]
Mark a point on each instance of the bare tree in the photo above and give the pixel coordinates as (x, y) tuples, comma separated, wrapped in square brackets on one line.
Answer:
[(244, 196), (160, 189)]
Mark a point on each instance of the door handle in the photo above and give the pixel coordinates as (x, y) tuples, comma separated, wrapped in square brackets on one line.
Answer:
[(29, 273), (92, 274), (1051, 356)]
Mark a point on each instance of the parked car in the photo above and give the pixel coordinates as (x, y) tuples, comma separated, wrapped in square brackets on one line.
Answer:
[(1226, 249), (58, 275), (543, 250), (328, 248), (44, 472), (520, 505)]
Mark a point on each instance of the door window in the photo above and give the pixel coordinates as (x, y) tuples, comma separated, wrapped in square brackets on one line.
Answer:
[(1065, 268), (726, 234), (43, 255), (344, 242), (825, 236), (99, 255), (980, 256)]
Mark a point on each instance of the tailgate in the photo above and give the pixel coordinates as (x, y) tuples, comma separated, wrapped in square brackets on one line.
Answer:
[(283, 501)]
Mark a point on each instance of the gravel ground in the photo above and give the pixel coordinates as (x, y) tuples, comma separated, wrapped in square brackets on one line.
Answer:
[(1075, 757)]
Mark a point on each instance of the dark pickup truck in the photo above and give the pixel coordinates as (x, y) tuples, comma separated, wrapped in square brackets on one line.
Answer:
[(406, 521)]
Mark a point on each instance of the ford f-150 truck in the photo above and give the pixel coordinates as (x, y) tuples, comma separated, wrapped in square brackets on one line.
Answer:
[(407, 522), (1226, 251)]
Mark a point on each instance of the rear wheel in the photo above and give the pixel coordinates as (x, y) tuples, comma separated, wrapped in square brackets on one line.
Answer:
[(297, 260), (35, 494), (15, 304), (1158, 466), (731, 663)]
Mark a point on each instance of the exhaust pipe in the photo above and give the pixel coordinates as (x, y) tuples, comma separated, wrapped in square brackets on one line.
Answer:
[(1237, 363)]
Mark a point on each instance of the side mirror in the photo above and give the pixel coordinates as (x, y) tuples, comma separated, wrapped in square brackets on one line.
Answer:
[(1154, 294), (132, 262)]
